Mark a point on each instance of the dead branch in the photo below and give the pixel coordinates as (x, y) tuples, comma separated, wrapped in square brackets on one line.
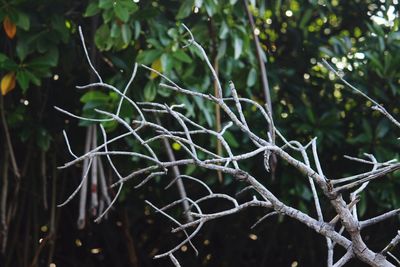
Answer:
[(184, 130)]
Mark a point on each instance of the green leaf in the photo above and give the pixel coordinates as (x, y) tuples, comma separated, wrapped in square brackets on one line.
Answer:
[(305, 18), (238, 44), (102, 38), (94, 96), (149, 56), (126, 33), (3, 58), (62, 28), (91, 10), (231, 139), (222, 49), (310, 115), (23, 21), (182, 56), (198, 3), (185, 9), (17, 117), (23, 80), (211, 7), (89, 107), (108, 15), (137, 29), (118, 62), (115, 31), (6, 63), (252, 77), (106, 4), (223, 30), (129, 5), (150, 91), (167, 62), (164, 92), (33, 78), (359, 139), (22, 50), (204, 109), (121, 11), (50, 59), (110, 126), (190, 169)]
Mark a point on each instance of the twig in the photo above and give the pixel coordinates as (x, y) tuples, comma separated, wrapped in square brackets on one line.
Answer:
[(177, 174), (264, 79), (379, 218), (394, 258), (103, 183), (44, 178), (87, 55), (3, 207), (349, 206), (214, 56), (94, 171), (52, 221), (263, 218), (132, 254), (376, 106), (84, 181), (376, 174), (174, 260), (393, 243), (98, 219), (83, 194), (199, 155), (42, 245), (346, 257), (8, 140), (354, 194)]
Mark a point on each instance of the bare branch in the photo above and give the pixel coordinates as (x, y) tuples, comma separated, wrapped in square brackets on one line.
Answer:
[(379, 218), (343, 260), (87, 55), (376, 106), (263, 218), (392, 244), (185, 131)]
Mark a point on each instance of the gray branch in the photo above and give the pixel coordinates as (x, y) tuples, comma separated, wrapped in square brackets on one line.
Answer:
[(230, 162)]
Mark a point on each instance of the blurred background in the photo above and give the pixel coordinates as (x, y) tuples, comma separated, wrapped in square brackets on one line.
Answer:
[(42, 60)]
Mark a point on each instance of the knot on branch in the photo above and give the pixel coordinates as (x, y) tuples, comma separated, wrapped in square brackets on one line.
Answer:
[(332, 195), (241, 175)]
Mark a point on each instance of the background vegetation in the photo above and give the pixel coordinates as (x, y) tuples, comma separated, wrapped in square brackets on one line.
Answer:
[(42, 60)]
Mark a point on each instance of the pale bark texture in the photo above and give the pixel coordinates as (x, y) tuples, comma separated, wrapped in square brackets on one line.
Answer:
[(343, 230)]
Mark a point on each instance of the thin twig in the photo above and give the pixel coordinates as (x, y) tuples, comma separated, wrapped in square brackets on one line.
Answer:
[(379, 218), (393, 243), (83, 194), (177, 174), (3, 204), (8, 139), (263, 218)]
